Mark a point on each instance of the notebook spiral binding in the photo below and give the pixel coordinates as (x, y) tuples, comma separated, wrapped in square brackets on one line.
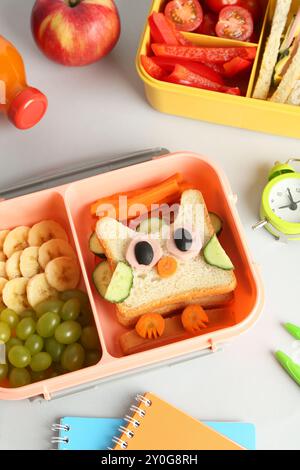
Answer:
[(129, 419), (57, 428)]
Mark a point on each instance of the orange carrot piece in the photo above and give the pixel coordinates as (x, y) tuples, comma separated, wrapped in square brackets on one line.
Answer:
[(150, 325), (142, 196), (194, 318), (114, 199), (167, 266)]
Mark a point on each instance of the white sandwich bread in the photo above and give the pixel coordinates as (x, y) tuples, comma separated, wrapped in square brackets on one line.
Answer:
[(194, 281), (294, 96), (280, 68), (270, 56)]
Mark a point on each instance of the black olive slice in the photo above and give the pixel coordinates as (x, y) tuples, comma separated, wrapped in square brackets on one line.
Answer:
[(183, 239), (144, 253)]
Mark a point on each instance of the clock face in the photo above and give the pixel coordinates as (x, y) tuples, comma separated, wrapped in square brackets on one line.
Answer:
[(284, 200)]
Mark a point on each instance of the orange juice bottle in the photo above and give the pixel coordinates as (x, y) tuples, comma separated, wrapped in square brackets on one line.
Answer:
[(25, 106)]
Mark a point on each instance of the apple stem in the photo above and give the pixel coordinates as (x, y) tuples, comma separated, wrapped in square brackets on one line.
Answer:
[(74, 3)]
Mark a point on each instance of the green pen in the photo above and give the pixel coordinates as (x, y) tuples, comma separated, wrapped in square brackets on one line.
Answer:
[(289, 365), (294, 330)]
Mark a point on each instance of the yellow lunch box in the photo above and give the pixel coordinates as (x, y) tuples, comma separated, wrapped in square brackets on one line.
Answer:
[(238, 111)]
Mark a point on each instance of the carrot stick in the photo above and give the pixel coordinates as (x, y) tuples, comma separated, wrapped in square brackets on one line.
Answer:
[(140, 194)]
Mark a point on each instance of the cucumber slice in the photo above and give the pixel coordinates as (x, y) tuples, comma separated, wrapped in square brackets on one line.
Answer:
[(214, 254), (96, 247), (151, 225), (217, 222), (101, 277), (120, 285)]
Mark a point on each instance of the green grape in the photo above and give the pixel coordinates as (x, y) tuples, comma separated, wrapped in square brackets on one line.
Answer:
[(25, 328), (40, 362), (34, 344), (39, 376), (75, 293), (10, 317), (54, 348), (19, 377), (4, 332), (89, 338), (86, 316), (68, 332), (73, 357), (3, 371), (92, 358), (19, 356), (47, 324), (13, 342), (50, 305), (28, 313), (71, 309)]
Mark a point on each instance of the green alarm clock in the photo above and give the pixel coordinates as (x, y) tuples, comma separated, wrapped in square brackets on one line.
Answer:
[(280, 205)]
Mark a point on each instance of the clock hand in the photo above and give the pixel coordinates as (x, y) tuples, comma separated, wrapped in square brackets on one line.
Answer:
[(290, 196), (289, 205), (293, 205)]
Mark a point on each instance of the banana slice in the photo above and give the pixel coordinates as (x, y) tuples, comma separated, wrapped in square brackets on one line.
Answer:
[(2, 256), (29, 262), (38, 290), (3, 235), (13, 265), (2, 269), (3, 281), (14, 294), (45, 231), (63, 273), (16, 240), (55, 249)]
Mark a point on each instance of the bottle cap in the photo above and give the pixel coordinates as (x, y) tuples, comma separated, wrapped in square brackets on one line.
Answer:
[(27, 108)]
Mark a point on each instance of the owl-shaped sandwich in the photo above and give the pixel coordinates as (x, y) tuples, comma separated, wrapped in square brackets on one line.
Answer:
[(181, 264)]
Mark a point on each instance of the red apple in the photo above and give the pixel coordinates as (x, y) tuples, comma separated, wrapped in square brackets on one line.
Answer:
[(75, 32)]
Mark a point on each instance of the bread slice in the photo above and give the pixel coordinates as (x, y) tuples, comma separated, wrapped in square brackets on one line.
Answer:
[(263, 84), (289, 80), (294, 96), (195, 281)]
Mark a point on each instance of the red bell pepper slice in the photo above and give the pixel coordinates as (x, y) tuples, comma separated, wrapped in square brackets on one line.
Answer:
[(169, 63), (218, 55), (155, 33), (152, 68), (165, 32), (236, 66), (183, 76), (160, 26)]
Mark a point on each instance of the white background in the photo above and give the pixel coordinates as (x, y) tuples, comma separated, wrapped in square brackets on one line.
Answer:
[(101, 112)]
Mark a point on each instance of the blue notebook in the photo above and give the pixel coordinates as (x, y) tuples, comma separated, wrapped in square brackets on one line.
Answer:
[(97, 433)]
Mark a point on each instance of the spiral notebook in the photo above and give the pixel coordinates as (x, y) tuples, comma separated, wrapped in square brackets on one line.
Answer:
[(156, 425), (77, 433)]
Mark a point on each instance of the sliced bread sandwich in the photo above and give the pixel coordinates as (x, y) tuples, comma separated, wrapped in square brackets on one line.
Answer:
[(197, 278), (270, 56), (279, 74)]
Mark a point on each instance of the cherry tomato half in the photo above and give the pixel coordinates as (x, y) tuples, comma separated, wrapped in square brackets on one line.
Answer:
[(235, 23), (218, 5), (187, 15)]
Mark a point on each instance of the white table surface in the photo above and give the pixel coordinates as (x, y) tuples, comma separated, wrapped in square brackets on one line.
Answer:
[(100, 112)]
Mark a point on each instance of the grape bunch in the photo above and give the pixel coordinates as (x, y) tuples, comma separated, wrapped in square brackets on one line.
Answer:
[(57, 337)]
